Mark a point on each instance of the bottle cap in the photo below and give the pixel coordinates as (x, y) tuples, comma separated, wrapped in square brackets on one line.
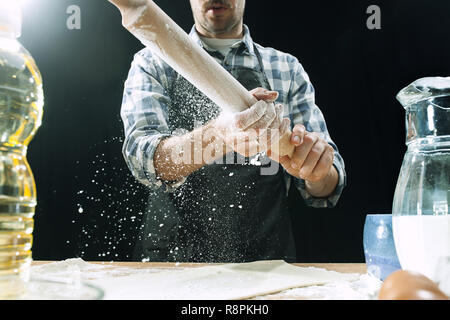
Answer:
[(10, 17)]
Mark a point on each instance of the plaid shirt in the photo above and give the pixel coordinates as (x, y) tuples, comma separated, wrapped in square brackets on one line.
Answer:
[(146, 101)]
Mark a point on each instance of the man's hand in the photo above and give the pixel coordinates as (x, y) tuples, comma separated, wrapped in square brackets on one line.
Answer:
[(312, 161), (247, 133), (251, 131)]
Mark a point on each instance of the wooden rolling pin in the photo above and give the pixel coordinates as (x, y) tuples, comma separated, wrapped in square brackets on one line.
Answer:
[(156, 30)]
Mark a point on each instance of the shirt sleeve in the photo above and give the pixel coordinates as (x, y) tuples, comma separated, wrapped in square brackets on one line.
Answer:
[(303, 110), (144, 113)]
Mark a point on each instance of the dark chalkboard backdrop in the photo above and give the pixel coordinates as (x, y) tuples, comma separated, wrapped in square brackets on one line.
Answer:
[(89, 205)]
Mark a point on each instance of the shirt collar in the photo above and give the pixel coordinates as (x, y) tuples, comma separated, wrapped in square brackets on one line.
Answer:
[(247, 40)]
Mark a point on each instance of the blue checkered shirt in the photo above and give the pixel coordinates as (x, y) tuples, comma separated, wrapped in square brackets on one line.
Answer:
[(146, 101)]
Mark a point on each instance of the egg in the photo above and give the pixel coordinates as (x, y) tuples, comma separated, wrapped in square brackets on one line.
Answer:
[(407, 285)]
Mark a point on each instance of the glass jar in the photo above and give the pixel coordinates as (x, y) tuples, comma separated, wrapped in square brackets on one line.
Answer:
[(421, 220)]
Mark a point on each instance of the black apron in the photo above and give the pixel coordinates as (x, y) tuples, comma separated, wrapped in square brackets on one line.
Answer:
[(223, 212)]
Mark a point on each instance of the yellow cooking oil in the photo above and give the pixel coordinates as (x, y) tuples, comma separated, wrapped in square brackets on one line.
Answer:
[(21, 108)]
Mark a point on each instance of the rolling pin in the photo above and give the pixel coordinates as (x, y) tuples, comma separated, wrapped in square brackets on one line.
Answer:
[(157, 31)]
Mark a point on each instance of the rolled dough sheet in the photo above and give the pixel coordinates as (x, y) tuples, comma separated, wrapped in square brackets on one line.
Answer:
[(218, 282)]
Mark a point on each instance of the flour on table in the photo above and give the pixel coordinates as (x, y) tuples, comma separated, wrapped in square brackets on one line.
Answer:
[(366, 287), (71, 270), (220, 282)]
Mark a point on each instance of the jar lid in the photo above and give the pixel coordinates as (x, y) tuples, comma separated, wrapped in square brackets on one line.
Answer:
[(10, 18)]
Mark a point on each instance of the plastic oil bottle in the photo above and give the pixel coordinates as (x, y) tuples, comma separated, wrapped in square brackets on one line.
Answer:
[(21, 108)]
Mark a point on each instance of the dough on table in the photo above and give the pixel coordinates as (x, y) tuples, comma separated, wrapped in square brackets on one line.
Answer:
[(218, 282)]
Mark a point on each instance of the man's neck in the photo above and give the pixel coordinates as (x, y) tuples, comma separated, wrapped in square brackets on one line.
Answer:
[(234, 33)]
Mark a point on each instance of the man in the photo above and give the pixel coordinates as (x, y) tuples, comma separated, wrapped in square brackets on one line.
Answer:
[(214, 210)]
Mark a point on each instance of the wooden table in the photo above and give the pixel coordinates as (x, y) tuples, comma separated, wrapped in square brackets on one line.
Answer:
[(359, 268), (338, 267)]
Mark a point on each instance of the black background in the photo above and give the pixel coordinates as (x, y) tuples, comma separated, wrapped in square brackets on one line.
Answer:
[(89, 205)]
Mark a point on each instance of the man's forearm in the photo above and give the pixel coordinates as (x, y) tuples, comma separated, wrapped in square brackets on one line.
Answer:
[(178, 156), (324, 187)]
